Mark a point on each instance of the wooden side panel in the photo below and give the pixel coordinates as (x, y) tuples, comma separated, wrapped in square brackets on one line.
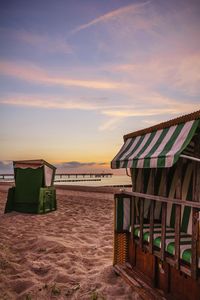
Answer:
[(162, 275), (183, 287), (145, 263)]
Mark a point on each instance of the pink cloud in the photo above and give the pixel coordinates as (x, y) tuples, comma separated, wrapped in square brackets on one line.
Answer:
[(47, 102), (179, 71), (32, 73)]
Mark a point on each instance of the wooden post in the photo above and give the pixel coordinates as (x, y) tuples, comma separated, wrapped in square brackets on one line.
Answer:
[(133, 219), (195, 212), (133, 211), (133, 246), (164, 217), (152, 207), (178, 217), (141, 221), (141, 203)]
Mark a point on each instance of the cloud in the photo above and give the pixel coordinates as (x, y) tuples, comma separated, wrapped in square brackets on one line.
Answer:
[(176, 71), (43, 42), (144, 106), (187, 76), (153, 105), (60, 102), (35, 74), (110, 124), (174, 108), (77, 164), (48, 102), (6, 167), (115, 14)]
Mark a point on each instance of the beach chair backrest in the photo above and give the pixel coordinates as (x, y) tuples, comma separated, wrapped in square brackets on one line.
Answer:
[(186, 194), (123, 214), (28, 183), (123, 205)]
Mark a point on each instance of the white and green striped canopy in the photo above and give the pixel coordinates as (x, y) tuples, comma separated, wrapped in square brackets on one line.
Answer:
[(156, 149)]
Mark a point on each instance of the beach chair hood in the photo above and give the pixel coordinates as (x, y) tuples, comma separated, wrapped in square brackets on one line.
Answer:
[(158, 146)]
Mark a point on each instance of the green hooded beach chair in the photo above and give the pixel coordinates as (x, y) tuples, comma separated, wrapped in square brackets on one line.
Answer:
[(34, 191)]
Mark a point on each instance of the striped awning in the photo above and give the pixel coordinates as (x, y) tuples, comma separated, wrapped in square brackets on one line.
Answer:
[(156, 149)]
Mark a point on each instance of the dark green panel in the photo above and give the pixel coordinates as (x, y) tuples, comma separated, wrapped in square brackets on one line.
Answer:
[(10, 200), (28, 184)]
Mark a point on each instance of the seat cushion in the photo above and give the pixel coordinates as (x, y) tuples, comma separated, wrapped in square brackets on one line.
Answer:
[(185, 240)]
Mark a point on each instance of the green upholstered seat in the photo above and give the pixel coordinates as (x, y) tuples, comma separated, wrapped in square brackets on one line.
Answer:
[(185, 240)]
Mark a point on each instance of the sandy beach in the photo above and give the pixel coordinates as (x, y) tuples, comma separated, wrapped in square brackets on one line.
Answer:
[(66, 254)]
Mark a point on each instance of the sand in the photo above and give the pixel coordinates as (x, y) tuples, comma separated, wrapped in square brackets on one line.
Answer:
[(66, 254)]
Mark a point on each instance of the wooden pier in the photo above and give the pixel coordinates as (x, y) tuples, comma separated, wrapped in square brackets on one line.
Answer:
[(7, 176), (59, 176), (77, 180), (91, 175)]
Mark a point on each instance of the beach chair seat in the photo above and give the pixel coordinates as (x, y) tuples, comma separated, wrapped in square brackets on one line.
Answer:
[(185, 240)]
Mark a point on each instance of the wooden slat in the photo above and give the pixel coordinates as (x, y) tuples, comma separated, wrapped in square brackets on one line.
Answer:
[(141, 202), (151, 227), (195, 213), (164, 218), (163, 230), (163, 199), (138, 187), (133, 208), (132, 217), (133, 245), (195, 234), (178, 217), (152, 207), (177, 236), (141, 221)]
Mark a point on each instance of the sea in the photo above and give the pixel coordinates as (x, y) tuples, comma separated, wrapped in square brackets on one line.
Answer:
[(114, 180)]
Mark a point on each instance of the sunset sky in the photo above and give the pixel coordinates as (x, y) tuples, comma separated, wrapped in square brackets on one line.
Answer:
[(76, 75)]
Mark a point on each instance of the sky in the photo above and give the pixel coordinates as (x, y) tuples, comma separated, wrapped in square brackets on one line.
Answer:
[(76, 75)]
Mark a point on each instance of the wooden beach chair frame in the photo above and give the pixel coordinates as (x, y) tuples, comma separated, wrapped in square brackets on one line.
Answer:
[(156, 226)]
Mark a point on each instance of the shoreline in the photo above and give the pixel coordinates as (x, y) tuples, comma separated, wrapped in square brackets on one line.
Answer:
[(79, 188)]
